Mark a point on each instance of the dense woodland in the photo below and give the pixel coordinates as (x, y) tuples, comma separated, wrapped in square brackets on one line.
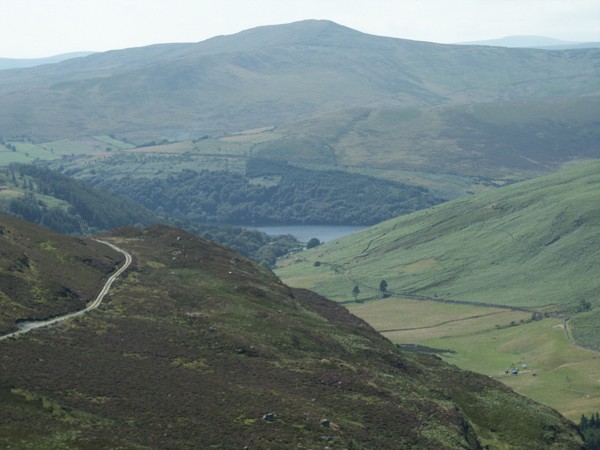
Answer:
[(70, 206), (275, 193), (89, 210), (590, 429)]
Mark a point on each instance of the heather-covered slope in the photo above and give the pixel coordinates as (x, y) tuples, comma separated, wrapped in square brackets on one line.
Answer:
[(44, 274), (198, 347)]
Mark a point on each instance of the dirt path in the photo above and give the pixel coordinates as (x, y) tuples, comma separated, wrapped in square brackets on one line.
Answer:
[(28, 326)]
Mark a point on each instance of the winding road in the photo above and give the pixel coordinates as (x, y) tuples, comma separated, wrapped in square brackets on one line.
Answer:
[(28, 326)]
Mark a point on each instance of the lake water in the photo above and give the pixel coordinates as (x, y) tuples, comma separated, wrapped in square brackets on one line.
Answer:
[(304, 233)]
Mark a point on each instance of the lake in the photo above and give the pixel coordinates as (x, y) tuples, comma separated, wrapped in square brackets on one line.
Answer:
[(304, 233)]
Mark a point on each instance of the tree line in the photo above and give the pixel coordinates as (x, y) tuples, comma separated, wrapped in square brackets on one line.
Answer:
[(590, 430), (298, 196), (87, 210)]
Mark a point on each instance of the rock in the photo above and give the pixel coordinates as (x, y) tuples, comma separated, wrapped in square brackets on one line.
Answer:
[(269, 417)]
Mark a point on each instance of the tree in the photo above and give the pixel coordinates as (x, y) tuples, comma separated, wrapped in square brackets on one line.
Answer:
[(584, 306), (355, 291), (383, 288), (314, 242)]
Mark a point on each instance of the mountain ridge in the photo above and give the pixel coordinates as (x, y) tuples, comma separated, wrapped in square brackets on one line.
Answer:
[(350, 69), (530, 41)]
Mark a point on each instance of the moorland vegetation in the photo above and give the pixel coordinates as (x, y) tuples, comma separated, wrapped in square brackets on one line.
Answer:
[(196, 344)]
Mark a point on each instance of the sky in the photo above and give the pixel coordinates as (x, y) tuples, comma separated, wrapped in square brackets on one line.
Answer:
[(39, 28)]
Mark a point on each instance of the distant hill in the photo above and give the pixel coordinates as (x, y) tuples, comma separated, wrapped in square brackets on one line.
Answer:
[(195, 345), (14, 63), (316, 94), (272, 75), (540, 42), (531, 245)]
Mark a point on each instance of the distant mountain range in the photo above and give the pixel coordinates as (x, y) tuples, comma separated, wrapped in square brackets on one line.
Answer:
[(19, 63), (540, 42), (270, 76)]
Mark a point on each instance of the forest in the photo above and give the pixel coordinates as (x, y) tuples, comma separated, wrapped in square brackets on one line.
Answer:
[(67, 205), (274, 192)]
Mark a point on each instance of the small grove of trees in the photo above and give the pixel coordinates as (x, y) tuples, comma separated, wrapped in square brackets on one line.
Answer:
[(590, 430), (314, 242), (584, 306), (383, 286)]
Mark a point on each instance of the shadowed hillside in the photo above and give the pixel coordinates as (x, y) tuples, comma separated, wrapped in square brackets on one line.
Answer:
[(197, 346)]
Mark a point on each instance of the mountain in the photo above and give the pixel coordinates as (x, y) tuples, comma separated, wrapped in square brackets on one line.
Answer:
[(272, 75), (527, 42), (19, 63), (532, 246), (451, 119), (197, 346)]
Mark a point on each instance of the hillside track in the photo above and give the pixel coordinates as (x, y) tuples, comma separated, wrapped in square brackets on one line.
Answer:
[(97, 301)]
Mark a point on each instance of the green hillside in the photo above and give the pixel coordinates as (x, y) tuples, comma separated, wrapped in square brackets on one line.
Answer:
[(451, 149), (531, 245), (198, 347)]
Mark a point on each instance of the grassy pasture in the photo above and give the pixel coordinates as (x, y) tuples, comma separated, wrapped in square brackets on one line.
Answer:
[(567, 378), (116, 143), (24, 153), (75, 147), (528, 245)]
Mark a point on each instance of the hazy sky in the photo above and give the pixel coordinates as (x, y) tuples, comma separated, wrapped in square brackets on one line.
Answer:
[(35, 28)]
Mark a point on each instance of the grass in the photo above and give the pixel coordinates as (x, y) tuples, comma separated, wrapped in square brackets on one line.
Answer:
[(530, 245), (566, 376), (492, 341)]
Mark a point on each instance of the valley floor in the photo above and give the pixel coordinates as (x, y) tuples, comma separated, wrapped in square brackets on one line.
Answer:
[(495, 342)]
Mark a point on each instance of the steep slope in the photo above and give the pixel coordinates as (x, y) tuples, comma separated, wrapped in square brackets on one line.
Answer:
[(532, 245), (44, 274), (196, 346), (271, 75), (436, 147)]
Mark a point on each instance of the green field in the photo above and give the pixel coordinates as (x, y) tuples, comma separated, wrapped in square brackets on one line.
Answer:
[(492, 341), (24, 152), (468, 275)]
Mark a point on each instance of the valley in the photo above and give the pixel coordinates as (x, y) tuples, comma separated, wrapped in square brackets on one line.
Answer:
[(221, 343), (497, 279), (468, 291)]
